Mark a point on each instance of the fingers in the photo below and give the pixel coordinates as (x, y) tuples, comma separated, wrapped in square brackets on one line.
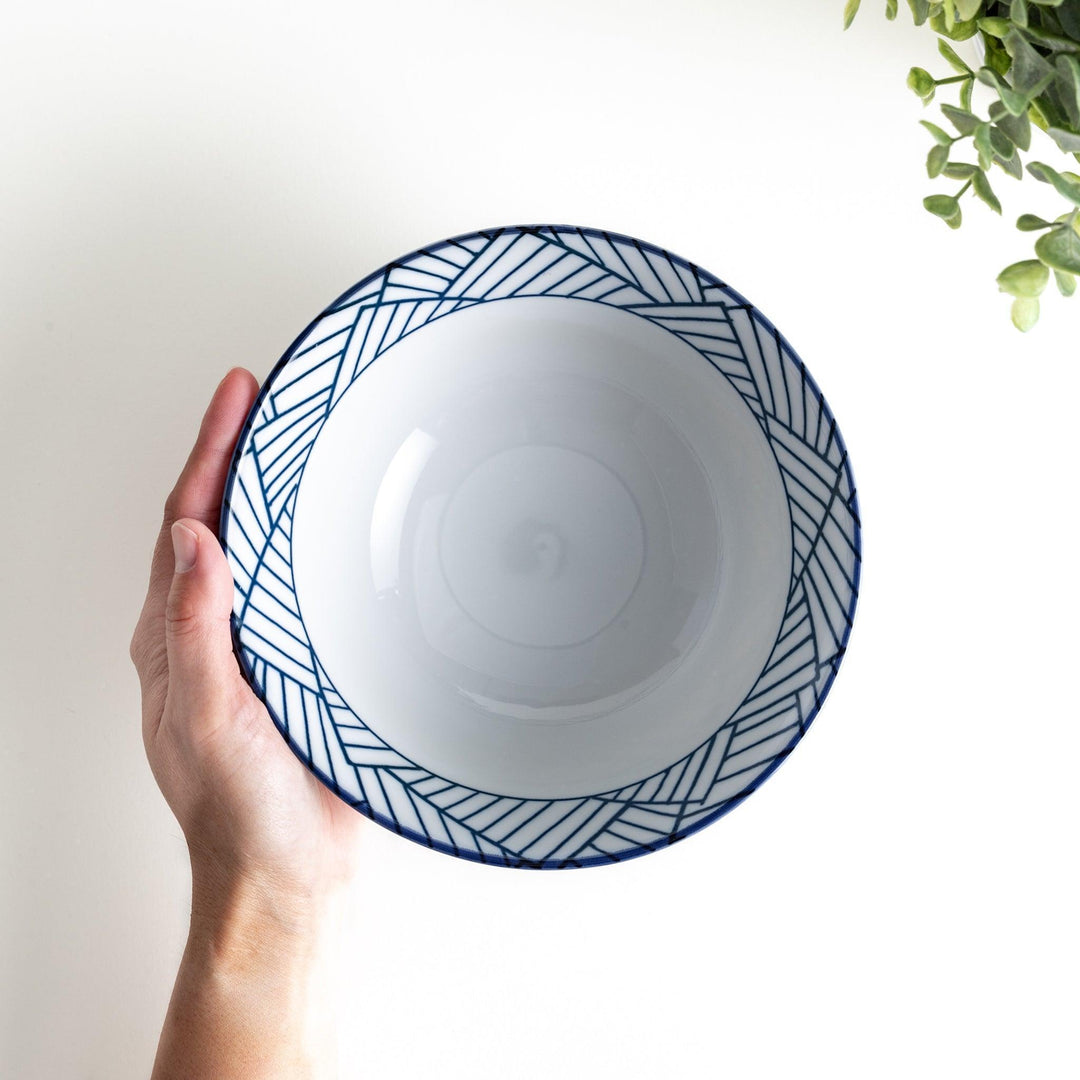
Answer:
[(198, 492), (202, 668)]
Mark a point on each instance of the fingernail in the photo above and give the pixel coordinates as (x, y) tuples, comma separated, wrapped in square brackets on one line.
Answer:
[(185, 545)]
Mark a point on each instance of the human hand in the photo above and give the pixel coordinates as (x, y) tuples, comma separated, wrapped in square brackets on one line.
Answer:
[(269, 844), (247, 806)]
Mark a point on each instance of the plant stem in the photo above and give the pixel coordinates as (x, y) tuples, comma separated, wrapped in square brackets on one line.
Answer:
[(953, 79)]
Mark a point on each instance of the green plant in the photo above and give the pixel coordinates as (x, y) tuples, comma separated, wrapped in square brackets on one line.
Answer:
[(1031, 64)]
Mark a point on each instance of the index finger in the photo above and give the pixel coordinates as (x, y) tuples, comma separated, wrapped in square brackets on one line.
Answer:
[(201, 485)]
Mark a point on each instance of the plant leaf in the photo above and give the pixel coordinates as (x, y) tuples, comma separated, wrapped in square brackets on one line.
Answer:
[(851, 9), (1011, 165), (985, 192), (968, 9), (1030, 73), (995, 27), (1040, 35), (1067, 141), (920, 11), (1049, 104), (959, 170), (891, 7), (1069, 17), (1000, 141), (957, 31), (983, 145), (1062, 184), (997, 56), (1066, 283), (1018, 12), (952, 58), (965, 94), (922, 82), (945, 207), (1032, 223), (1068, 85), (1060, 248), (942, 138), (1025, 313), (1018, 128), (936, 160), (1013, 102), (1025, 278), (965, 122)]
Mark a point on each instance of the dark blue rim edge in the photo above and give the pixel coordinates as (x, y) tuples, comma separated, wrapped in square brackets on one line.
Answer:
[(596, 860)]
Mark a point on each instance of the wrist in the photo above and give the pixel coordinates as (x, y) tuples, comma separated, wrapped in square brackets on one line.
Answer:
[(256, 977), (249, 921)]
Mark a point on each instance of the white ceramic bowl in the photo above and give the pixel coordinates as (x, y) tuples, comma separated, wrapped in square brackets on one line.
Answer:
[(545, 546)]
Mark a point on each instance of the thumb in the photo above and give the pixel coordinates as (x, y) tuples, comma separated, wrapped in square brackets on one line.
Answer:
[(197, 614)]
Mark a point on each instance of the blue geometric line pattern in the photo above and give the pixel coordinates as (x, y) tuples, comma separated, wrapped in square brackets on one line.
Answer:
[(430, 284)]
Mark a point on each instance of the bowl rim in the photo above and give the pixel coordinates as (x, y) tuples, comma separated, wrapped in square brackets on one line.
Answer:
[(727, 805)]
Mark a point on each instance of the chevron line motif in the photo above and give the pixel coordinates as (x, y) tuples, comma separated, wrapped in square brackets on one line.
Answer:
[(743, 347)]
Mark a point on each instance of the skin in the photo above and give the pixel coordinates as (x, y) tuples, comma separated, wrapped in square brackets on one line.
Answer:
[(271, 849)]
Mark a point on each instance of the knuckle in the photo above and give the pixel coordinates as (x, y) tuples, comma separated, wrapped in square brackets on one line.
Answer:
[(181, 620), (139, 645), (149, 657), (172, 507)]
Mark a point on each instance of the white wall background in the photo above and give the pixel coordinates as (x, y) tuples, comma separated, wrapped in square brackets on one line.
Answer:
[(182, 189)]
